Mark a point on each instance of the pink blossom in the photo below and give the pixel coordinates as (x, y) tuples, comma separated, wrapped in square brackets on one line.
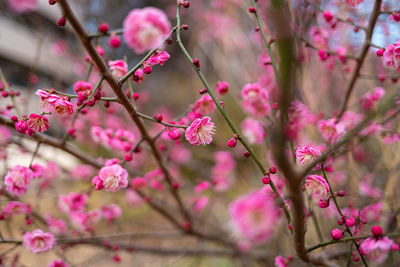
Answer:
[(202, 186), (158, 57), (22, 6), (305, 154), (353, 2), (299, 117), (330, 130), (317, 186), (138, 182), (38, 241), (204, 106), (111, 212), (199, 203), (56, 226), (376, 248), (58, 263), (200, 131), (369, 99), (221, 183), (82, 88), (222, 87), (144, 29), (114, 177), (254, 216), (133, 198), (74, 202), (18, 179), (14, 208), (84, 222), (61, 106), (138, 76), (281, 261), (37, 170), (5, 135), (42, 94), (118, 68), (253, 130), (255, 100), (81, 172), (391, 56), (38, 123)]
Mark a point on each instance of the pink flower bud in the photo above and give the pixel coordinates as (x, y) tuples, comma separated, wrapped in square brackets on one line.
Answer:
[(196, 62), (323, 202), (232, 142), (61, 21), (128, 158), (341, 193), (97, 183), (21, 126), (174, 134), (103, 28), (246, 154), (222, 87), (336, 234), (252, 10), (14, 118), (158, 117), (186, 4), (350, 221), (148, 69), (327, 16), (266, 180), (340, 221), (273, 170), (376, 230), (380, 52), (114, 41), (395, 247)]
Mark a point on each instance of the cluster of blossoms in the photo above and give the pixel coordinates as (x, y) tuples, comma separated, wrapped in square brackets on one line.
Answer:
[(369, 99), (116, 139), (35, 123), (158, 57)]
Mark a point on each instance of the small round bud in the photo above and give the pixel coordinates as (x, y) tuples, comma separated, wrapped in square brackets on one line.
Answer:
[(340, 221), (97, 183), (341, 193), (222, 88), (196, 62), (380, 52), (186, 4), (128, 158), (266, 180), (158, 117), (14, 118), (376, 230), (202, 91), (273, 170), (135, 96), (148, 69), (350, 222), (246, 154), (52, 2), (336, 234), (114, 41), (103, 28), (323, 202), (395, 247), (174, 134), (185, 27), (232, 142), (61, 21), (252, 10), (106, 104)]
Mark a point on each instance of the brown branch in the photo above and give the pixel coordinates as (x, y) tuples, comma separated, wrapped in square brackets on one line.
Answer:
[(123, 99), (362, 56), (51, 141)]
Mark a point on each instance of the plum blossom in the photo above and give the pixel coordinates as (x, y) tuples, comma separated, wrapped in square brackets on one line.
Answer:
[(23, 6), (255, 100), (199, 203), (253, 130), (353, 2), (391, 56), (254, 216), (74, 202), (114, 177), (330, 130), (14, 208), (144, 29), (56, 226), (111, 212), (61, 105), (118, 68), (317, 186), (18, 180), (369, 99), (203, 106), (38, 241), (376, 248), (82, 88), (38, 123), (200, 131), (85, 221), (305, 154)]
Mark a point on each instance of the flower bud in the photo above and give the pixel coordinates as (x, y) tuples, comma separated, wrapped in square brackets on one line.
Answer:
[(336, 234)]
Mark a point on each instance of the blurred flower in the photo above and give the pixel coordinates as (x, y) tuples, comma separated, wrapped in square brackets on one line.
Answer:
[(18, 179), (38, 241), (317, 186)]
